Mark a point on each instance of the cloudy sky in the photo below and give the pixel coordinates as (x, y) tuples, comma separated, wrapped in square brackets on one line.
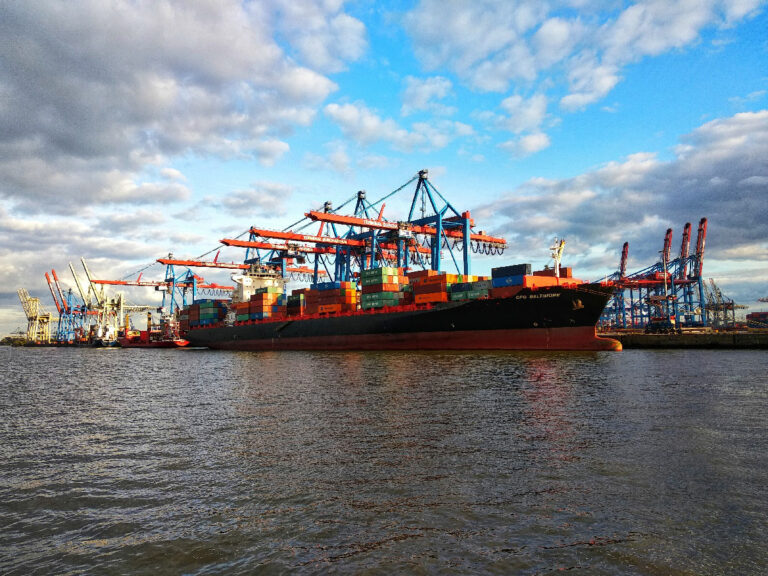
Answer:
[(130, 129)]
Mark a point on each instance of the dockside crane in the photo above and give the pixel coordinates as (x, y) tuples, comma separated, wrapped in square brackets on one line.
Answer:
[(365, 239), (721, 309), (38, 318), (172, 284), (110, 312), (69, 319), (671, 290)]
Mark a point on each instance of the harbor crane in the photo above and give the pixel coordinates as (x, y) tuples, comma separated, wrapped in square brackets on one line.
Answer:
[(38, 318), (365, 239), (720, 308), (669, 292)]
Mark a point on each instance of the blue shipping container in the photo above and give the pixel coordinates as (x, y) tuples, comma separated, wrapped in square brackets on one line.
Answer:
[(508, 281)]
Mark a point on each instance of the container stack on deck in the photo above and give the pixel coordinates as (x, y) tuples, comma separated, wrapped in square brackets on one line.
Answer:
[(267, 302), (331, 298), (382, 287), (203, 313), (472, 288), (430, 286), (509, 280), (297, 302)]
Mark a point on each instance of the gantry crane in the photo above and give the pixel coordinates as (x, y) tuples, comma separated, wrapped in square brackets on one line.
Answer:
[(720, 308), (72, 315), (38, 318), (366, 240), (670, 291)]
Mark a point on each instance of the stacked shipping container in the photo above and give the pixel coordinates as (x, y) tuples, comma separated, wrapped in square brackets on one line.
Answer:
[(384, 286), (431, 286), (331, 298), (472, 288), (269, 302), (509, 280), (203, 313), (297, 302)]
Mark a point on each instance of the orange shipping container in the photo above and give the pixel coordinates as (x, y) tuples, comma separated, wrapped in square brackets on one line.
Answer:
[(540, 281), (431, 297), (421, 274)]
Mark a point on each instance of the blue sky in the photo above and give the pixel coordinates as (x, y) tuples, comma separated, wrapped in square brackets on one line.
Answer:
[(131, 129)]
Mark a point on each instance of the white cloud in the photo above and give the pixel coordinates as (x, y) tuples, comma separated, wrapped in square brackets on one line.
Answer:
[(722, 163), (492, 43), (526, 145), (364, 126), (325, 37), (524, 115), (423, 94), (94, 93), (555, 40), (589, 81), (266, 198), (336, 160)]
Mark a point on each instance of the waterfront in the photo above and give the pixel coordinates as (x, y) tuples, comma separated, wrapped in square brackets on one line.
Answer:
[(198, 462)]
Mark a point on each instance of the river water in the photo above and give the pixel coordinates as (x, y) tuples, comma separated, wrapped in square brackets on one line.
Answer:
[(201, 462)]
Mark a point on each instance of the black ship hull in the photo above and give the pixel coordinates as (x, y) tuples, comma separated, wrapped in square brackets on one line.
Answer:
[(554, 318)]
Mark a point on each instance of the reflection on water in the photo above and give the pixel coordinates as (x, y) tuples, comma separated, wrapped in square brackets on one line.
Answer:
[(134, 461)]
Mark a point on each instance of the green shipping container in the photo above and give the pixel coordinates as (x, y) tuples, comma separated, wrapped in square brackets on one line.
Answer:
[(475, 294), (269, 290)]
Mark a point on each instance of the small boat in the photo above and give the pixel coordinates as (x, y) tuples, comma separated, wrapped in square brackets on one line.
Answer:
[(164, 335)]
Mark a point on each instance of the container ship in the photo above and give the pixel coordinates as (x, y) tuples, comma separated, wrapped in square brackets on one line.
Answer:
[(392, 310), (379, 284)]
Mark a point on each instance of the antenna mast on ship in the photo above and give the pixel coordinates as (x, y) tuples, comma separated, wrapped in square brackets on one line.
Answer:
[(557, 254)]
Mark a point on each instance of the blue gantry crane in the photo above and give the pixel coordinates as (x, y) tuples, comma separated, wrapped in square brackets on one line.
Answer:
[(346, 244), (665, 296)]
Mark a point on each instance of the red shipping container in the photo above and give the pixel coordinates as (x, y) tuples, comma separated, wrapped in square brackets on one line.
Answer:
[(504, 291), (430, 288), (374, 288)]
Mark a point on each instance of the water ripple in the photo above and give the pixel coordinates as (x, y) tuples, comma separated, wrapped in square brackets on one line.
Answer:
[(196, 462)]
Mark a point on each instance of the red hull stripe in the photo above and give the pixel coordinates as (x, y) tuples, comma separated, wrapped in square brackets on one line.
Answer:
[(577, 338), (156, 344)]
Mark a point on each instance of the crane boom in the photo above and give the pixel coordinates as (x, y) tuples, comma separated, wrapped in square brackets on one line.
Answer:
[(202, 264), (331, 240), (83, 295), (159, 283), (384, 225), (306, 238), (99, 298), (53, 294), (623, 263), (277, 247), (700, 241), (231, 265), (61, 294)]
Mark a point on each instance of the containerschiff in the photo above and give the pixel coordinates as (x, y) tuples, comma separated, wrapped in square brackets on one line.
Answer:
[(389, 291), (538, 313)]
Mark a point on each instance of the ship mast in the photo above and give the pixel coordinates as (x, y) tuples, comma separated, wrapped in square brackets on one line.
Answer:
[(557, 253)]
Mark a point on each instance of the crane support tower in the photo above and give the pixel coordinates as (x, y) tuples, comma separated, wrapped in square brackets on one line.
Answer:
[(38, 318)]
